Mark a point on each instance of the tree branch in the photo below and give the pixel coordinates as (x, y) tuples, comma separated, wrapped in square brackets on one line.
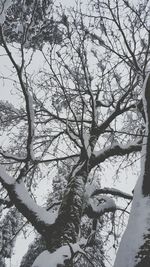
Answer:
[(18, 194), (28, 99), (114, 150), (111, 191)]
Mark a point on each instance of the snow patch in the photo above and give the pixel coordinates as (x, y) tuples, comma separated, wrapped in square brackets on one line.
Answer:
[(101, 204), (86, 138), (31, 111), (47, 259)]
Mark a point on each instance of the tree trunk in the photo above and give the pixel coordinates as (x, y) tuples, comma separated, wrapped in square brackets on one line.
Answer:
[(66, 227), (134, 250)]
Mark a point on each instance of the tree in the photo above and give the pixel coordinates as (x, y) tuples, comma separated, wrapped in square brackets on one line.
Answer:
[(71, 113)]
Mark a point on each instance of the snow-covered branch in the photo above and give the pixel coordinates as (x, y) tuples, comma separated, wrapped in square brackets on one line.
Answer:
[(7, 155), (19, 195), (115, 150), (112, 191), (30, 114), (86, 143), (97, 207)]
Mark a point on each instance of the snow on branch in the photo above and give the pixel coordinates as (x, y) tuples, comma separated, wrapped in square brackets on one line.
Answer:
[(86, 142), (7, 155), (97, 207), (30, 114), (115, 150), (111, 191), (58, 257), (19, 195)]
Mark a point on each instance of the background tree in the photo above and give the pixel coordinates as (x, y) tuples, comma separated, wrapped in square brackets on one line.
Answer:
[(30, 23), (78, 110)]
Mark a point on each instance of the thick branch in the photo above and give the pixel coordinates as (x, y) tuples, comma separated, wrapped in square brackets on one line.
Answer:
[(96, 208), (112, 191), (114, 150), (18, 194)]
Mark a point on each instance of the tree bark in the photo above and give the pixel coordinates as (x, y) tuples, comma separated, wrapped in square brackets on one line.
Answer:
[(66, 227), (134, 250)]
